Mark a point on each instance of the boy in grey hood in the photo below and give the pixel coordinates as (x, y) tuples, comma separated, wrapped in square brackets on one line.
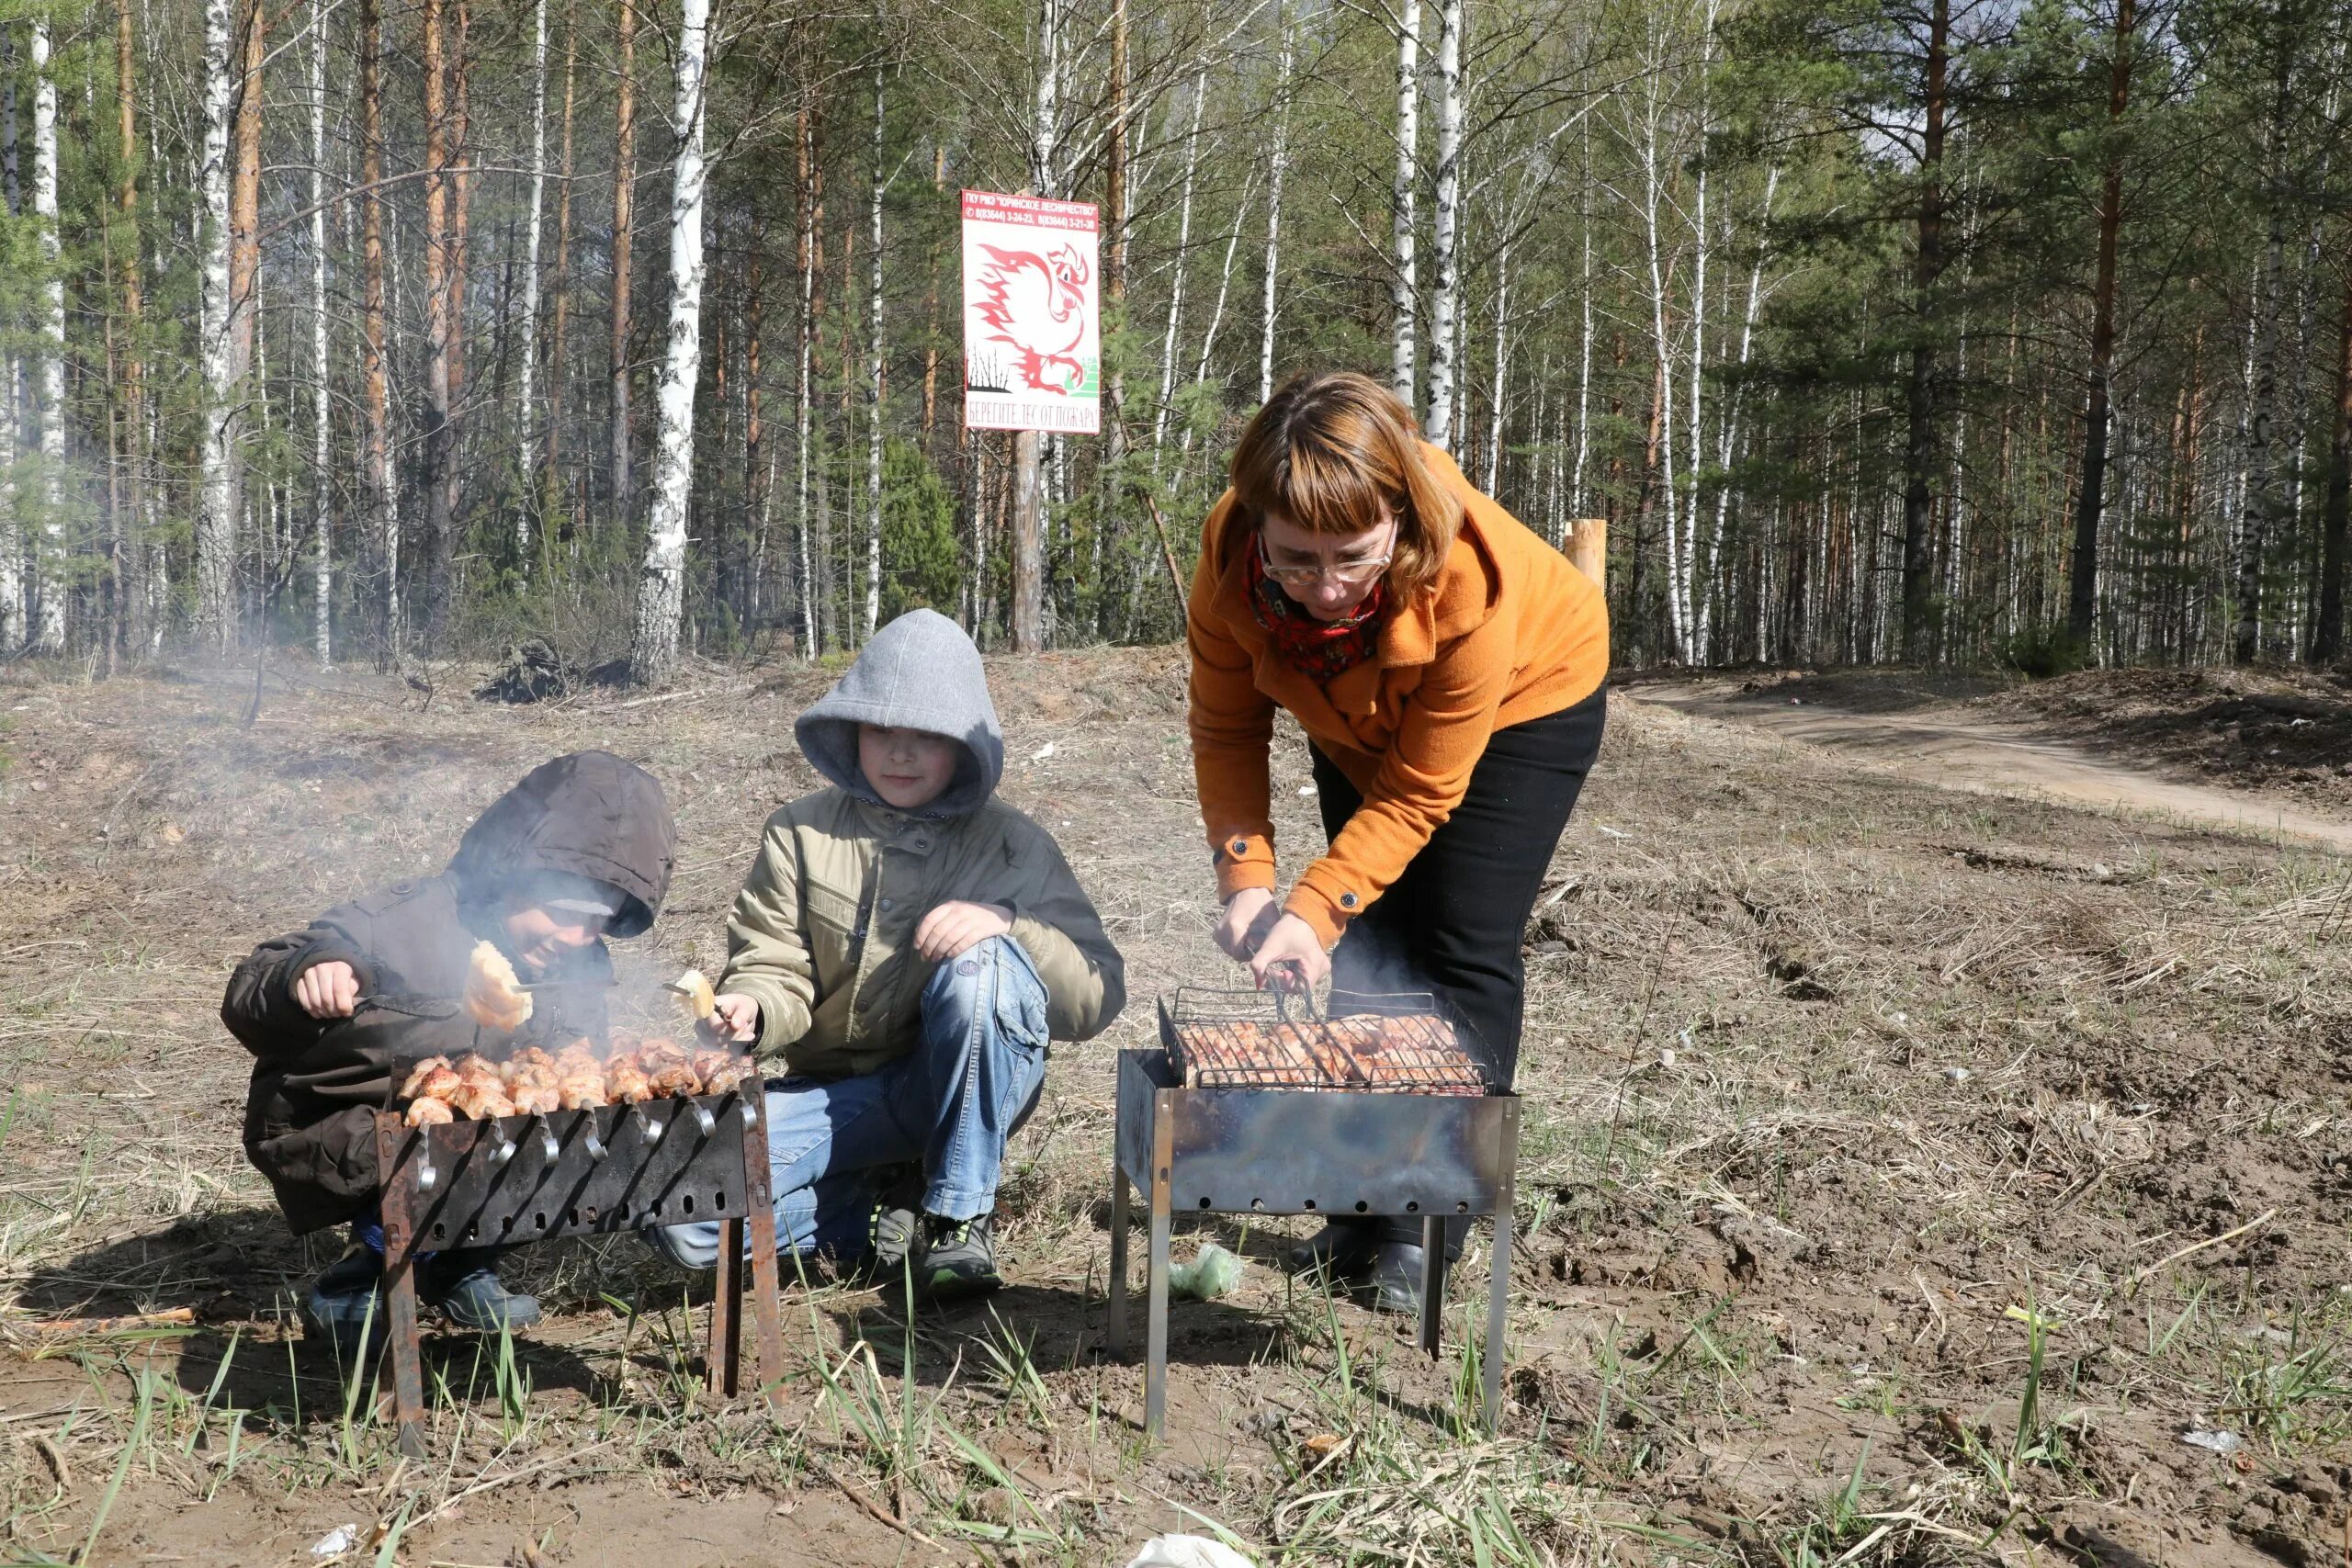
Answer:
[(903, 950)]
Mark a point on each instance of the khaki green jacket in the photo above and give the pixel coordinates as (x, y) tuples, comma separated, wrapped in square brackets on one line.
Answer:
[(822, 934)]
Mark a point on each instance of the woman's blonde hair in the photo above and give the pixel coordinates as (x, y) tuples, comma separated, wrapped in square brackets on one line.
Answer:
[(1329, 451)]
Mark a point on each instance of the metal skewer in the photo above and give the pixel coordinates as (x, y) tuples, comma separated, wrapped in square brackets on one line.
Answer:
[(503, 1149), (595, 1144), (549, 1147), (427, 1178), (748, 1103), (647, 1129), (703, 1118)]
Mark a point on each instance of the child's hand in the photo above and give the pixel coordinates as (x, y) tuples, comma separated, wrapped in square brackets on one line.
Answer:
[(737, 1016), (953, 929), (327, 990)]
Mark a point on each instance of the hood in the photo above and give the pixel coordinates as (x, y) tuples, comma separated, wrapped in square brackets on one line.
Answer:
[(920, 673), (589, 814)]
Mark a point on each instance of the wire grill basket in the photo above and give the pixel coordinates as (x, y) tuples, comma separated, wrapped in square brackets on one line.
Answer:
[(1397, 1042)]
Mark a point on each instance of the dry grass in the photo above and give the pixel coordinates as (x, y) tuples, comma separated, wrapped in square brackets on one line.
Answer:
[(1867, 1127)]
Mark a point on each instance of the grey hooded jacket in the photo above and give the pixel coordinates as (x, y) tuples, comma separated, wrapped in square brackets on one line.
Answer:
[(822, 934)]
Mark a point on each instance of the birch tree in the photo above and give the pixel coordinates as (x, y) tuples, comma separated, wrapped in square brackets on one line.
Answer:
[(1277, 164), (525, 408), (1404, 329), (51, 636), (321, 419), (216, 522), (1438, 425), (874, 376), (661, 591)]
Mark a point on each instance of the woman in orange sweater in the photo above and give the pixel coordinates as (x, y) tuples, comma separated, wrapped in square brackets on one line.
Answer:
[(1447, 666)]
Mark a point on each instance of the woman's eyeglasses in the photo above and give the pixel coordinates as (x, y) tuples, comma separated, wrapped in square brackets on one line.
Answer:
[(1346, 573)]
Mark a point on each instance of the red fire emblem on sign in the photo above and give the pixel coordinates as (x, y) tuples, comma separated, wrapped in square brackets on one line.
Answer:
[(1035, 305)]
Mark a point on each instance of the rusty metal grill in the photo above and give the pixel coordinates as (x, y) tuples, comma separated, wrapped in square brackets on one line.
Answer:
[(1394, 1043)]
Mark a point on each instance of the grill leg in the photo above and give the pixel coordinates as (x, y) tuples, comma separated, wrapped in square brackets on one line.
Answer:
[(1432, 1281), (1117, 1337), (724, 1360), (1499, 1287), (400, 1268), (1155, 1369), (766, 1309)]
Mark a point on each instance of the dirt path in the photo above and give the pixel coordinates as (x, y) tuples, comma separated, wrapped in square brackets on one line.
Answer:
[(1954, 751)]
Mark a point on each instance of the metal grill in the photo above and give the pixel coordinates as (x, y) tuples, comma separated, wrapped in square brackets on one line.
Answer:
[(522, 1179), (1392, 1044)]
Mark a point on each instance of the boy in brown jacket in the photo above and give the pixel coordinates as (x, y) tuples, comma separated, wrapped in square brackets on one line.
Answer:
[(335, 1013), (907, 946)]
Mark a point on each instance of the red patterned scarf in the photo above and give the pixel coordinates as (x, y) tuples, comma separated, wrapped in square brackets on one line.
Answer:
[(1322, 650)]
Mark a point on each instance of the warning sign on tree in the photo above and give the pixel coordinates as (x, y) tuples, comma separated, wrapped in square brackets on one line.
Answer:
[(1033, 336)]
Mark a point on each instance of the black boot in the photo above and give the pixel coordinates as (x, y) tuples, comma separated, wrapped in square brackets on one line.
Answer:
[(1396, 1277), (1342, 1249), (466, 1287), (344, 1308)]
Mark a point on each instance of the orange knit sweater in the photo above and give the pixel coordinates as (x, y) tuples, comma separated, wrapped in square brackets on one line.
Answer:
[(1510, 632)]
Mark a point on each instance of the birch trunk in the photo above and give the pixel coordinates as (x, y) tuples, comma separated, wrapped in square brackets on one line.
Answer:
[(1653, 178), (1403, 302), (1438, 426), (1276, 163), (1584, 334), (873, 379), (1502, 370), (524, 406), (322, 422), (50, 556), (1176, 282), (805, 245), (1217, 317), (624, 244), (12, 542), (1028, 543), (2261, 498), (660, 601), (216, 520)]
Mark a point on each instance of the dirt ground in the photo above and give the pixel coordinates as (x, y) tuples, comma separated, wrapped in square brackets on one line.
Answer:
[(1906, 1174)]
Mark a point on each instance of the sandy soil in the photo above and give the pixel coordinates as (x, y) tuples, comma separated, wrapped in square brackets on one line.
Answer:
[(1905, 1173), (2010, 745)]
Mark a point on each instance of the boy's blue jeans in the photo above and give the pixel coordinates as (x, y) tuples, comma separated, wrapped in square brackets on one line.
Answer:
[(949, 1105)]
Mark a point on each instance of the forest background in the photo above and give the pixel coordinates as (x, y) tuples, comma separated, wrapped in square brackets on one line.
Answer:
[(1960, 331)]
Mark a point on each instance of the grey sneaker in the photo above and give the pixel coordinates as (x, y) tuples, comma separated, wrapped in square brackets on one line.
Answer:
[(1396, 1281), (346, 1311), (956, 1258)]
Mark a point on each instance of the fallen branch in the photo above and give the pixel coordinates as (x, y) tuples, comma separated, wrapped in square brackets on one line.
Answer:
[(169, 1317), (2161, 1264), (881, 1514)]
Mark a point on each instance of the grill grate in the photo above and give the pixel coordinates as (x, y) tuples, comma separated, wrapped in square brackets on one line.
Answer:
[(1394, 1044)]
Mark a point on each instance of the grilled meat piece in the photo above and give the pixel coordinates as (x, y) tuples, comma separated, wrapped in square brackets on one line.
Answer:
[(478, 1100), (427, 1111), (625, 1083), (668, 1068), (579, 1077), (494, 998), (721, 1069), (433, 1078)]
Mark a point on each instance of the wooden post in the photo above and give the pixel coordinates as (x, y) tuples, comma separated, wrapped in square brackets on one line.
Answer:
[(1588, 548)]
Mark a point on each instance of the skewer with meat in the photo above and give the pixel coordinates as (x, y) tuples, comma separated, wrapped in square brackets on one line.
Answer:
[(625, 1083), (532, 1082), (427, 1090), (721, 1069), (579, 1077), (668, 1068)]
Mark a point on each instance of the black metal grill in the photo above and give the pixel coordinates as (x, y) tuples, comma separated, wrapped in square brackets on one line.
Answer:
[(508, 1180), (1204, 1128)]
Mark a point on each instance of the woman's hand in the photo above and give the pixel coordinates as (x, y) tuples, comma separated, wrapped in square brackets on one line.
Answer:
[(1248, 915), (1288, 952), (327, 990), (953, 929), (737, 1017)]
